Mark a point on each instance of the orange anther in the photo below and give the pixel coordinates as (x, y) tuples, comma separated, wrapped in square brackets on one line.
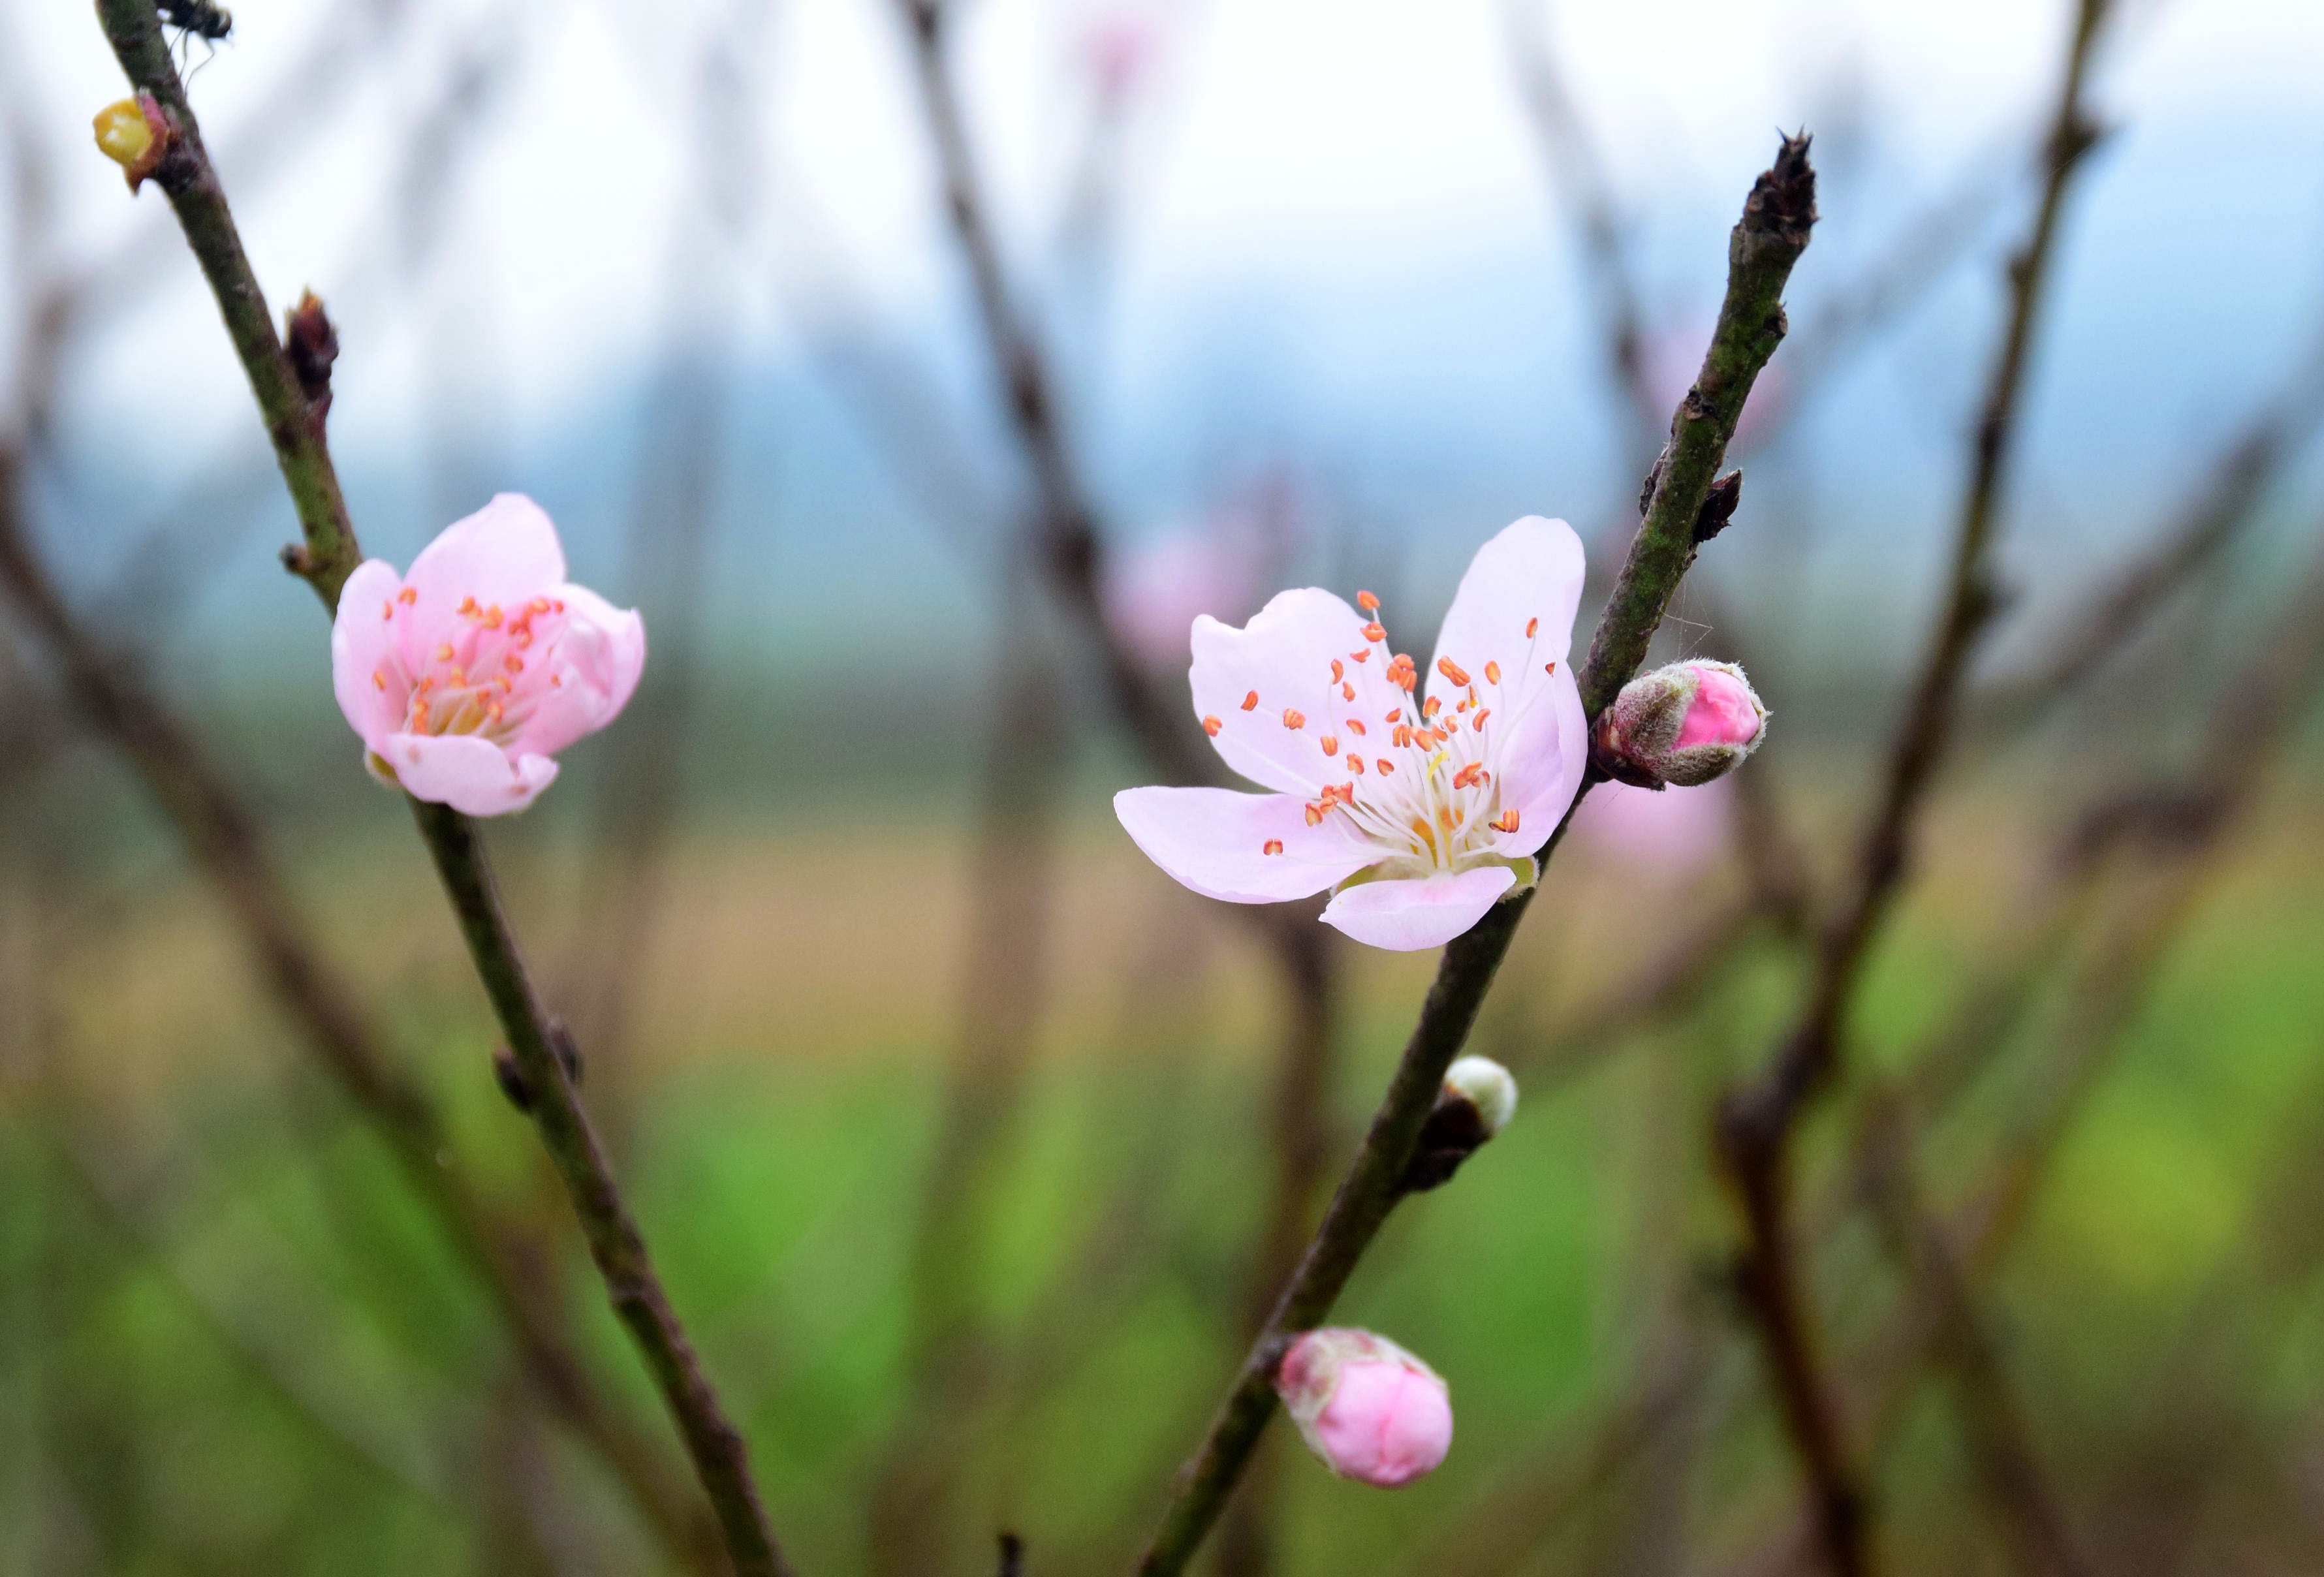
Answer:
[(1363, 656), (1393, 715), (1532, 625), (491, 617), (1384, 766), (1367, 601), (1466, 776), (1356, 725), (1549, 667), (1492, 673), (407, 596), (513, 663), (506, 687), (1316, 814), (1347, 692), (1444, 817), (418, 715), (1478, 722), (1428, 707), (1402, 736), (1375, 631), (379, 678), (1211, 725), (557, 605), (444, 652), (1507, 824), (1339, 670), (538, 605), (494, 710), (1250, 702), (1294, 718), (1272, 846), (467, 605), (1330, 746), (387, 610), (1355, 764), (1452, 670)]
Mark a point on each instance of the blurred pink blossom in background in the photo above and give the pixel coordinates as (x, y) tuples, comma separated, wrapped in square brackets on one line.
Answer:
[(1675, 833)]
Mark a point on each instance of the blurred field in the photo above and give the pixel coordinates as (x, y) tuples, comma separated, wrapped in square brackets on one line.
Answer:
[(231, 1346)]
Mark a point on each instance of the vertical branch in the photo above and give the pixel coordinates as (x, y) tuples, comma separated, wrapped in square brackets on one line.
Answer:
[(1010, 880), (1758, 1124), (542, 1053), (1763, 246)]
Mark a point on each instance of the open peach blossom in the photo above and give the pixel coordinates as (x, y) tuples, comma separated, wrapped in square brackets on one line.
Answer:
[(466, 676), (1422, 813)]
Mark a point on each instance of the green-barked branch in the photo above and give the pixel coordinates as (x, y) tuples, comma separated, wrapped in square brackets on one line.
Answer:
[(1679, 516), (294, 400)]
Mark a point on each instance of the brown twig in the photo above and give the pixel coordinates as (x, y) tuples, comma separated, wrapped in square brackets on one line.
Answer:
[(1764, 244), (1758, 1124), (293, 416)]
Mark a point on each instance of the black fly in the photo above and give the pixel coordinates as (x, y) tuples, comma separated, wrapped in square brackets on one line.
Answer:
[(196, 19)]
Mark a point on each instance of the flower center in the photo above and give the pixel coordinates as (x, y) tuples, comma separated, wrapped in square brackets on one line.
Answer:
[(486, 679), (1423, 778)]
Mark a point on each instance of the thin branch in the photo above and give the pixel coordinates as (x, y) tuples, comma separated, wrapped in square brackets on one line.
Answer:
[(1758, 1124), (1765, 242), (1011, 883), (1070, 547), (2115, 613), (295, 425)]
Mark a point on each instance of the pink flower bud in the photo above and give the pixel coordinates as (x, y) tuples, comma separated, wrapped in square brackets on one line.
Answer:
[(1686, 723), (1371, 1410)]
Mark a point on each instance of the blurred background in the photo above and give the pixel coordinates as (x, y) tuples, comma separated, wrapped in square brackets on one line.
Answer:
[(966, 1141)]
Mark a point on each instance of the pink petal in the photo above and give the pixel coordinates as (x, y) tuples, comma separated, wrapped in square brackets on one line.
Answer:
[(1214, 841), (1405, 916), (507, 552), (1541, 759), (362, 644), (473, 776), (1284, 657), (1386, 1425), (1529, 577), (599, 659)]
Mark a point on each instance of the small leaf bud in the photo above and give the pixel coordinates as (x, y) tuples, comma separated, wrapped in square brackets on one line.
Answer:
[(1685, 724), (1477, 1101)]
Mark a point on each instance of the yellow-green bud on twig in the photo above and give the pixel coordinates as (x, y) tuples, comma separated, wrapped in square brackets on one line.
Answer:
[(135, 134)]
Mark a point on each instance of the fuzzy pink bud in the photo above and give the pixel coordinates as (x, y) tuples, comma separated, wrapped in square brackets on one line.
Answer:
[(1686, 723), (1371, 1410)]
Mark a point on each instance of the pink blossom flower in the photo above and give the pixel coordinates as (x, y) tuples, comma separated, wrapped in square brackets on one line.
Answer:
[(1371, 1410), (1422, 813), (467, 675), (1122, 43)]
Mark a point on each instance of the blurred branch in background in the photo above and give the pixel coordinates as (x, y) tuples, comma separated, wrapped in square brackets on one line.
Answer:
[(1759, 1121), (1068, 547)]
